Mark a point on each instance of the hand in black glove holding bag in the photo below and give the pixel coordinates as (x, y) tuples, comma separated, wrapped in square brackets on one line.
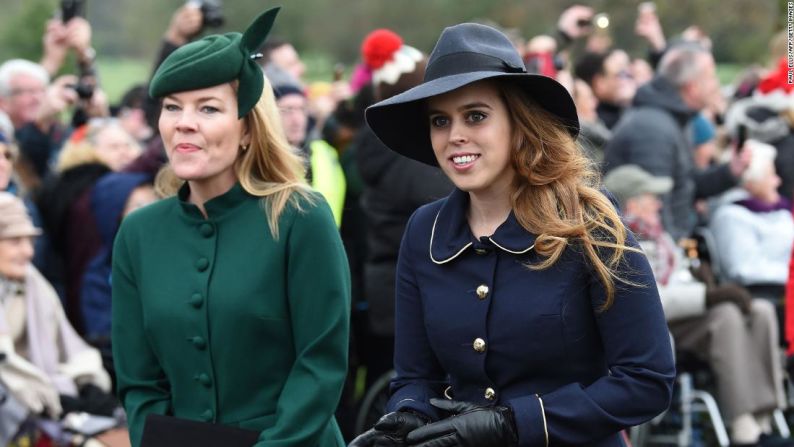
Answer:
[(469, 425), (390, 430)]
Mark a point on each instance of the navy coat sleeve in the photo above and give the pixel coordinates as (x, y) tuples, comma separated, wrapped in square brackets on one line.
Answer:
[(641, 372)]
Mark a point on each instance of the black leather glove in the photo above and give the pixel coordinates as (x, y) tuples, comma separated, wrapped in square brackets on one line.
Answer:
[(469, 425), (730, 293), (704, 274), (390, 430)]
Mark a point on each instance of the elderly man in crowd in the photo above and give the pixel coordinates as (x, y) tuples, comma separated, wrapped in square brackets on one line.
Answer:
[(654, 134)]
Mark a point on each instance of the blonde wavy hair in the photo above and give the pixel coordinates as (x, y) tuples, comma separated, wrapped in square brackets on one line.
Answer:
[(269, 168), (556, 192)]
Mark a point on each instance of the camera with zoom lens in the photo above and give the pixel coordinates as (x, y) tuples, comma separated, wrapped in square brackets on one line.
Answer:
[(84, 90), (212, 15)]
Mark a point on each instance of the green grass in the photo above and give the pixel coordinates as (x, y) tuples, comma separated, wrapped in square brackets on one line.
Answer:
[(319, 67), (119, 74), (727, 73)]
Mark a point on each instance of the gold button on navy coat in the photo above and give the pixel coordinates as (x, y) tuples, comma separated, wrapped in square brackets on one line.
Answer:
[(215, 320), (542, 345)]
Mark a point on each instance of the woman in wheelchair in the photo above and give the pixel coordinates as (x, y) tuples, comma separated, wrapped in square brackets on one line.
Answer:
[(46, 366), (754, 235), (722, 325)]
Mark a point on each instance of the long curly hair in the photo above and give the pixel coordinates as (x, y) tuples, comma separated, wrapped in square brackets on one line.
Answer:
[(268, 168), (556, 195)]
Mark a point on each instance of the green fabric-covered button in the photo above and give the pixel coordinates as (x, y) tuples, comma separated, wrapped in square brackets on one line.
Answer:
[(196, 300), (199, 342), (205, 380), (202, 264), (206, 230)]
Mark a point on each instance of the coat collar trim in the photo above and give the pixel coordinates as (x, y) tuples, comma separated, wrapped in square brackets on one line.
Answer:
[(451, 236), (216, 207)]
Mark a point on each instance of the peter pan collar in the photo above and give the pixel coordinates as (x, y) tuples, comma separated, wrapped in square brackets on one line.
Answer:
[(215, 207), (451, 236)]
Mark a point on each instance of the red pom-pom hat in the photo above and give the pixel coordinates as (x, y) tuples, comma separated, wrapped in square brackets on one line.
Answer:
[(384, 52), (777, 79)]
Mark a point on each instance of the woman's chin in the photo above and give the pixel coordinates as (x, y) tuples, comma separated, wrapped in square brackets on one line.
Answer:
[(188, 173), (467, 183), (16, 273)]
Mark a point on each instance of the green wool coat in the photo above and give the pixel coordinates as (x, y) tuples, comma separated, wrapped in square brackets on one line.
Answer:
[(215, 320)]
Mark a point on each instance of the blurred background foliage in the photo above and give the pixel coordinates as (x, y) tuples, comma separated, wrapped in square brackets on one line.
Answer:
[(127, 33)]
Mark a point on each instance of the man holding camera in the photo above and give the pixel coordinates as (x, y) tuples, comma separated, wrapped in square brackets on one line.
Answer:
[(33, 103)]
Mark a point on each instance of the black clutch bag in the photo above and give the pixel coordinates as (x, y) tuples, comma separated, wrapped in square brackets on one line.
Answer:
[(167, 431)]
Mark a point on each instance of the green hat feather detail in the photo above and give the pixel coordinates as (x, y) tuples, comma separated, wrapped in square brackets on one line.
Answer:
[(215, 60)]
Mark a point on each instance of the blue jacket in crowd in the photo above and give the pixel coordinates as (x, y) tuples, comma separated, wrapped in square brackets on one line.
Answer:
[(475, 323)]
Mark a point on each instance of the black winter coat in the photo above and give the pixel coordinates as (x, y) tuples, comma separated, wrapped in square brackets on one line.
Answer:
[(653, 134), (395, 186)]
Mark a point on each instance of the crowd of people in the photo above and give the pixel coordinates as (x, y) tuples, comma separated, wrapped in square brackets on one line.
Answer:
[(514, 228)]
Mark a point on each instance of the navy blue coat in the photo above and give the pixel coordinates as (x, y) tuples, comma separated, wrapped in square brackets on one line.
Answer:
[(474, 323)]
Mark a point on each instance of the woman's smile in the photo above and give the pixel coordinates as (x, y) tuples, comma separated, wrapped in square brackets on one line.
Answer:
[(463, 161), (187, 148)]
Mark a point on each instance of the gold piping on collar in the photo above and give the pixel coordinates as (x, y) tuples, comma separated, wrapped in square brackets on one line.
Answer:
[(430, 248), (511, 251)]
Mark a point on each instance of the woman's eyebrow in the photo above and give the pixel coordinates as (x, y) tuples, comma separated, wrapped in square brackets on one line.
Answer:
[(469, 106), (474, 105), (201, 99)]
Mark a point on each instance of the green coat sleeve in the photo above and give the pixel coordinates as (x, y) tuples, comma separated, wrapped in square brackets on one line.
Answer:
[(142, 385), (318, 290)]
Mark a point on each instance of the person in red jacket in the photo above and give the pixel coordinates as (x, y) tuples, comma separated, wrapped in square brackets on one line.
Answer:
[(789, 321)]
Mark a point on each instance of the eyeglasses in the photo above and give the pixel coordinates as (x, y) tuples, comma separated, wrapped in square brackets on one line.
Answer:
[(293, 110), (624, 74), (26, 91)]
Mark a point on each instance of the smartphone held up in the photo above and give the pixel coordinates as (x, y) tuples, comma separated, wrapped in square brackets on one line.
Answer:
[(71, 9)]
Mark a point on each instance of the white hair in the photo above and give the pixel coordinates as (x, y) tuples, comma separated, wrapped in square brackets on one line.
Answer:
[(762, 156), (14, 67), (682, 64)]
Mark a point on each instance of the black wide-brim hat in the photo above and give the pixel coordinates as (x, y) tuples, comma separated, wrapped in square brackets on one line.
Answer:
[(464, 54)]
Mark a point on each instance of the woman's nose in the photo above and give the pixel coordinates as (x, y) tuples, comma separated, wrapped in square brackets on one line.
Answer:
[(457, 134), (186, 121)]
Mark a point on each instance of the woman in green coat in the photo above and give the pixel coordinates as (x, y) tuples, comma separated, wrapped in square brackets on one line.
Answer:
[(231, 299)]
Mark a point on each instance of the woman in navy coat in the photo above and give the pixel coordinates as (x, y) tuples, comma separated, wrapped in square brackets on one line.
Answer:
[(525, 313)]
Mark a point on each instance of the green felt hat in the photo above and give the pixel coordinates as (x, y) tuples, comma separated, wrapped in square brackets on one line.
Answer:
[(215, 60)]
